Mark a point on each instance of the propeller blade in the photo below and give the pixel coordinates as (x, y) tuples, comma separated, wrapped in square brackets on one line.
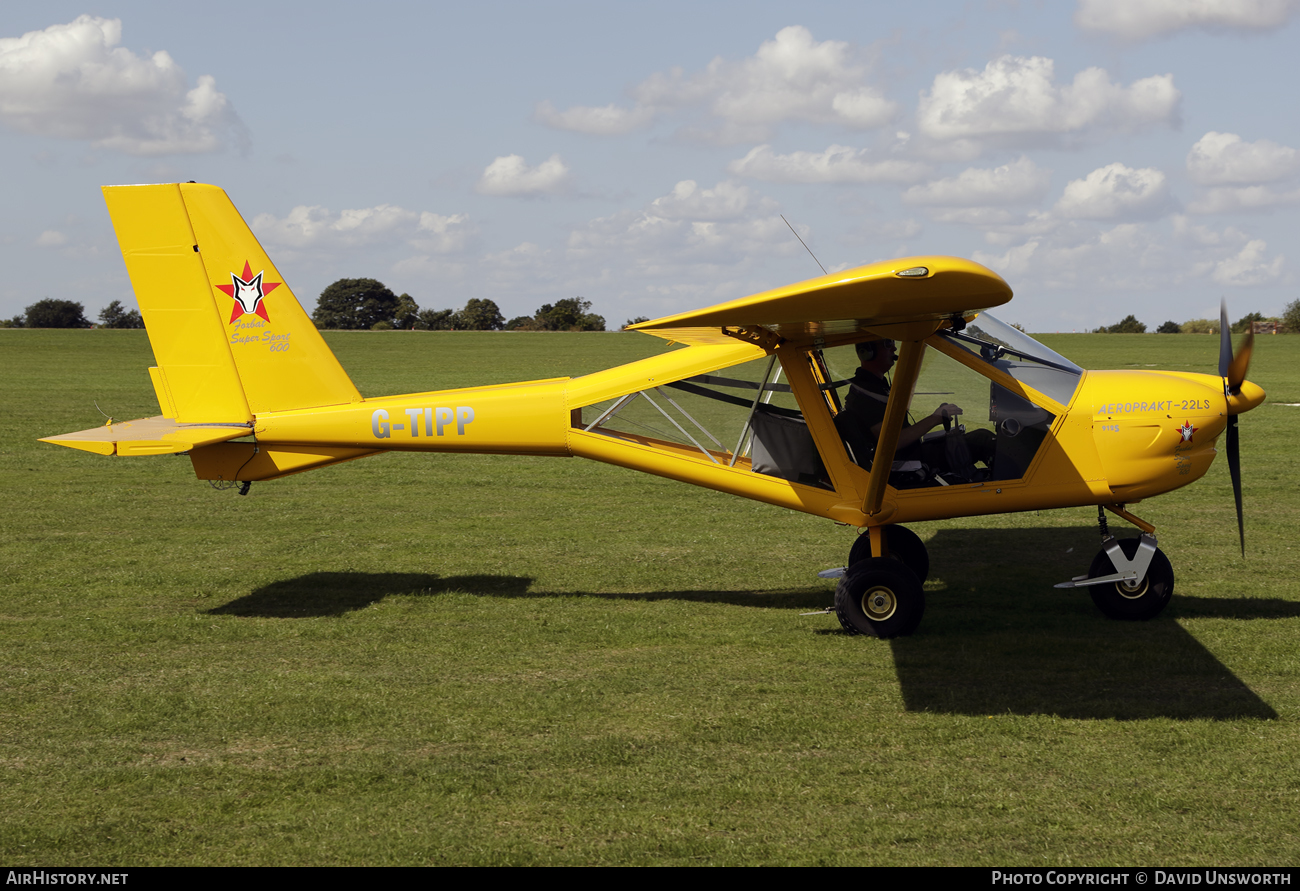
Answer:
[(1225, 340), (1234, 470), (1240, 364), (1234, 369)]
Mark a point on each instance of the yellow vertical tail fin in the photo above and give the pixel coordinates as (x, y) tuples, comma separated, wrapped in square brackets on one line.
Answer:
[(230, 338)]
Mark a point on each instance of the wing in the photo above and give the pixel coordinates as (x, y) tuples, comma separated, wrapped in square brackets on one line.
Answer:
[(891, 293)]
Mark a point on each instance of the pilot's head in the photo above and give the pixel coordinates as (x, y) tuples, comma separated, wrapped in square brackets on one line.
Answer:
[(876, 355)]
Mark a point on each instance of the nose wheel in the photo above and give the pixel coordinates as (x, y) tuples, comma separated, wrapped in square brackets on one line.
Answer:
[(1134, 600)]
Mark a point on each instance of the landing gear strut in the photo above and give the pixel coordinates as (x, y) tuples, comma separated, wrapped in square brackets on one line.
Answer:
[(903, 545)]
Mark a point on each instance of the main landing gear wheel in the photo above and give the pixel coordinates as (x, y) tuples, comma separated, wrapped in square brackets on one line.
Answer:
[(880, 597), (905, 546), (1129, 600)]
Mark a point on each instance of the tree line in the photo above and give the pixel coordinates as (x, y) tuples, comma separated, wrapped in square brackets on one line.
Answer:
[(50, 313), (359, 304), (349, 304), (1288, 322)]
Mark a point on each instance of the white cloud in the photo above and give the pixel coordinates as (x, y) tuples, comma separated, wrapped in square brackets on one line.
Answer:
[(1243, 199), (1133, 257), (657, 246), (1203, 236), (320, 229), (791, 78), (73, 82), (51, 238), (438, 234), (1220, 159), (1126, 257), (691, 233), (727, 200), (1020, 182), (1140, 19), (838, 164), (607, 120), (511, 175), (1013, 263), (1248, 267), (1115, 191), (1015, 100)]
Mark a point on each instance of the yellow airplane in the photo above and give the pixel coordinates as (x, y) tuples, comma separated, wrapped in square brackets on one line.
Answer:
[(249, 391)]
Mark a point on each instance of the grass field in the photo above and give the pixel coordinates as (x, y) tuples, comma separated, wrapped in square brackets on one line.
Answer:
[(497, 660)]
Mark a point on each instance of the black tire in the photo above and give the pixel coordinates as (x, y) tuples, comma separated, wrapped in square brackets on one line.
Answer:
[(880, 597), (905, 546), (1122, 600)]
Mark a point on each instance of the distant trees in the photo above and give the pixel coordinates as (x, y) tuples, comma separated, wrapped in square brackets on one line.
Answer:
[(68, 314), (630, 322), (1243, 324), (570, 314), (437, 320), (49, 313), (115, 316), (1291, 316), (407, 314), (479, 315), (352, 304), (363, 303), (1128, 325), (1289, 321)]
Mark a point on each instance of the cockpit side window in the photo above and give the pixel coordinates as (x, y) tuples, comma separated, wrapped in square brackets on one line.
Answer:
[(744, 416)]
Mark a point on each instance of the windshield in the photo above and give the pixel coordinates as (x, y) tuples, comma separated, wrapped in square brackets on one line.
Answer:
[(1020, 356)]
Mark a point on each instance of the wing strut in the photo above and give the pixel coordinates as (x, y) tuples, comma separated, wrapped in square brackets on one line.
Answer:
[(906, 372)]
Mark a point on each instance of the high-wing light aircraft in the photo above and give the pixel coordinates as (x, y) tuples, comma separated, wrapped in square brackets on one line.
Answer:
[(250, 392)]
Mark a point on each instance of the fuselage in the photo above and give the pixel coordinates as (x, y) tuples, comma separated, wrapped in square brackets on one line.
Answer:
[(1124, 436)]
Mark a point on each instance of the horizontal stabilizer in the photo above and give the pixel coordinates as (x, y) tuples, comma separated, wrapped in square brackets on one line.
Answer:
[(149, 436)]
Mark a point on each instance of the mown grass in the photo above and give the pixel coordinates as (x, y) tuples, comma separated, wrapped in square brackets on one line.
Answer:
[(486, 659)]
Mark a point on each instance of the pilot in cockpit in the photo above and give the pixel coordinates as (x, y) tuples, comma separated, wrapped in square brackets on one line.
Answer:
[(864, 414)]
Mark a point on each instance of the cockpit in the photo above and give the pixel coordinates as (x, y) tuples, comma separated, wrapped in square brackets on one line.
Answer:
[(746, 416)]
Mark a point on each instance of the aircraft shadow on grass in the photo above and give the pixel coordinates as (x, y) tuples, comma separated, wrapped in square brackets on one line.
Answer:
[(336, 593), (999, 639)]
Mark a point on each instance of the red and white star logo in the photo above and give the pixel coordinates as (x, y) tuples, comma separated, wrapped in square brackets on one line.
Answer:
[(1187, 430), (248, 293)]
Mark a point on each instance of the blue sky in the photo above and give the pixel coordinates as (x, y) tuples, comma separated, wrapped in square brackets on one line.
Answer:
[(1106, 157)]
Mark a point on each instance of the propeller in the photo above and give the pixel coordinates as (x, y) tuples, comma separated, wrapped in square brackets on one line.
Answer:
[(1233, 370)]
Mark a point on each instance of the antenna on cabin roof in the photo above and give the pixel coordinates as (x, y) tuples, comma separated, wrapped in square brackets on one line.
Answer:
[(805, 246)]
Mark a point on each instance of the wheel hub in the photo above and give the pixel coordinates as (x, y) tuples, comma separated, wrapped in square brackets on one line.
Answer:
[(879, 603), (1131, 590)]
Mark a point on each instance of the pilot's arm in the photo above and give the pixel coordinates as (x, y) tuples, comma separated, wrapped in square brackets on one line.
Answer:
[(912, 433)]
